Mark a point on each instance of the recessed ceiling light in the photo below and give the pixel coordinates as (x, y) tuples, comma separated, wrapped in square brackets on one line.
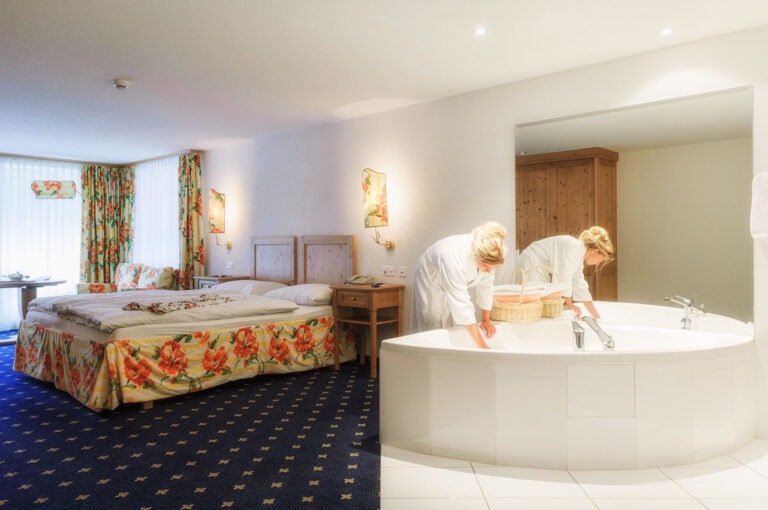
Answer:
[(665, 32), (480, 31)]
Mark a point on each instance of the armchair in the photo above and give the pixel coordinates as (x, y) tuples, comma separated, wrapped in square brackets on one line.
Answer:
[(134, 276)]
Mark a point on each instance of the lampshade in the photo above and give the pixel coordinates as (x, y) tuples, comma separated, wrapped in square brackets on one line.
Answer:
[(54, 189), (216, 213), (375, 199)]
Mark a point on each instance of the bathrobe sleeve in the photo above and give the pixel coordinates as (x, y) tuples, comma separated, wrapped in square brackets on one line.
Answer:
[(484, 291), (580, 286), (454, 285)]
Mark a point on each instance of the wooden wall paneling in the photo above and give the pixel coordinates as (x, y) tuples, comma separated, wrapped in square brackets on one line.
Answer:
[(274, 259), (571, 193), (327, 259), (531, 203), (605, 216), (579, 190)]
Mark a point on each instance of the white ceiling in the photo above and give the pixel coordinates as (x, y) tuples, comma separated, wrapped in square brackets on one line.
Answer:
[(693, 120), (208, 73)]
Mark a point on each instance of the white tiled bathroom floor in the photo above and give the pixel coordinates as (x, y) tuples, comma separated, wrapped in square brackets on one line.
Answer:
[(411, 481)]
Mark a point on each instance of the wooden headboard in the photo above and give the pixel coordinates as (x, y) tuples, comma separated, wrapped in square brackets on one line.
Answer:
[(327, 259), (274, 259)]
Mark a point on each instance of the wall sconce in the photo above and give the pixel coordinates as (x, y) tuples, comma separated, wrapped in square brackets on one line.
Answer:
[(54, 189), (216, 223), (375, 204)]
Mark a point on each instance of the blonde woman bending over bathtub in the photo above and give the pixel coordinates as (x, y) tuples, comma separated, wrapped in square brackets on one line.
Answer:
[(567, 255), (447, 270)]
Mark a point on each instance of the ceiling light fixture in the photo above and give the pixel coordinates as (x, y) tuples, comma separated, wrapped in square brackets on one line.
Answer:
[(480, 31), (121, 83), (665, 32)]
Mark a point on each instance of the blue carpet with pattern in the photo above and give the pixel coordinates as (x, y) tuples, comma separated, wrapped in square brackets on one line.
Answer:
[(305, 440)]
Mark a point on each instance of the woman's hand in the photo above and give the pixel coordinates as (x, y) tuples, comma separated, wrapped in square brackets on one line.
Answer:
[(474, 332), (571, 306), (488, 328)]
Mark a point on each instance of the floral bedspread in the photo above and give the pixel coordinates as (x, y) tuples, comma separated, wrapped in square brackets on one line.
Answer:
[(102, 375)]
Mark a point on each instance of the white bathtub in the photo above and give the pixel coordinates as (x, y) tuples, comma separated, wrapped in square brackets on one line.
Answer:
[(664, 396)]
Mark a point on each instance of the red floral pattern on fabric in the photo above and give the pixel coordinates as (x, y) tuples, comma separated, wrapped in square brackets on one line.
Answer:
[(173, 359), (215, 362), (104, 375), (245, 343)]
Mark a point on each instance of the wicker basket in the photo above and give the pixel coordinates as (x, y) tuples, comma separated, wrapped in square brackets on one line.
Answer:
[(551, 308), (517, 312)]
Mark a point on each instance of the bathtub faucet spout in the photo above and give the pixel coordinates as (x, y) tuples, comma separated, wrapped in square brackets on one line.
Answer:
[(608, 343), (689, 309)]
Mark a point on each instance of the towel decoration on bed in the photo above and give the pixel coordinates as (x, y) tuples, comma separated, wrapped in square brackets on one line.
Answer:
[(183, 304)]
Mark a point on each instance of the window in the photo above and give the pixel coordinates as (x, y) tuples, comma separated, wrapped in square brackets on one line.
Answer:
[(37, 237), (156, 216)]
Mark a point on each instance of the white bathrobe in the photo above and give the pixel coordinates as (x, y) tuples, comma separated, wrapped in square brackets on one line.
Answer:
[(442, 279), (564, 254)]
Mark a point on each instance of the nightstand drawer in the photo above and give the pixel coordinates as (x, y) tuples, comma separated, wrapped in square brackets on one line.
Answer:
[(354, 299)]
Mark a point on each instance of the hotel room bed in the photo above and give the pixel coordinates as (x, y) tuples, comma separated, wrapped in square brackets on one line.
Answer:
[(103, 368)]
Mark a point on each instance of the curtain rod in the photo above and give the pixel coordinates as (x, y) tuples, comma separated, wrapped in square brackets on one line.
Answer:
[(113, 165)]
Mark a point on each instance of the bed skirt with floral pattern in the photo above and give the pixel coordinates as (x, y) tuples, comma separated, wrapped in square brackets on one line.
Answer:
[(103, 375)]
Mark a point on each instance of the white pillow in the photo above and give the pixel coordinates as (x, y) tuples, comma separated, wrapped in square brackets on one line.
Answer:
[(304, 294), (257, 287)]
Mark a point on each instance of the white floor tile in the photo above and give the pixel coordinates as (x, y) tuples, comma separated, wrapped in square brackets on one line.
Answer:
[(736, 504), (397, 457), (429, 482), (513, 482), (540, 504), (753, 454), (641, 483), (723, 461), (648, 504), (731, 483), (434, 504)]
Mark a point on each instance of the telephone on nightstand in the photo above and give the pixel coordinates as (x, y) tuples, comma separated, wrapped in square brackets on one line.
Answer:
[(361, 279)]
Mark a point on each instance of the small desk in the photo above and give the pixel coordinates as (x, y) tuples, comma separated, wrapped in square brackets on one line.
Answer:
[(203, 282), (350, 299), (28, 290)]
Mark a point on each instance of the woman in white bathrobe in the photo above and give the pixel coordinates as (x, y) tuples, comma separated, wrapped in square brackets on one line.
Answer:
[(567, 255), (445, 273)]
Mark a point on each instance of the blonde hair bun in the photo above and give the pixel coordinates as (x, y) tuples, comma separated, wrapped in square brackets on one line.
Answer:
[(596, 237), (488, 243)]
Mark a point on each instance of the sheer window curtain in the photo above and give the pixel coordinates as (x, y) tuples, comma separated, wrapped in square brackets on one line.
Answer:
[(156, 216), (37, 237)]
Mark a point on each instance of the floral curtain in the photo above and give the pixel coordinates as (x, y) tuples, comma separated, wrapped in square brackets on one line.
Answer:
[(106, 235), (191, 239)]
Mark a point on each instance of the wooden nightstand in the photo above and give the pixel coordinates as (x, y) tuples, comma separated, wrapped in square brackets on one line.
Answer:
[(360, 304), (203, 282)]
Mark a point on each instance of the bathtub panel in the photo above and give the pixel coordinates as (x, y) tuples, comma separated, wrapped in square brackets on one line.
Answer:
[(744, 402), (665, 414), (462, 423), (601, 390), (601, 443), (531, 422), (404, 401), (664, 396), (714, 406)]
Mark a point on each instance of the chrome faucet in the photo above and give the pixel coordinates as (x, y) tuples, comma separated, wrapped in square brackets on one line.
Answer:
[(689, 309), (578, 336), (608, 343)]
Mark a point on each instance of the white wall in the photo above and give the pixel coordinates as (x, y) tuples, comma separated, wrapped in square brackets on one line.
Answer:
[(449, 163), (683, 225)]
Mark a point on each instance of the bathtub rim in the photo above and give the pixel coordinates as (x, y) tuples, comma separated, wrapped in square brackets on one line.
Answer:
[(730, 342)]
